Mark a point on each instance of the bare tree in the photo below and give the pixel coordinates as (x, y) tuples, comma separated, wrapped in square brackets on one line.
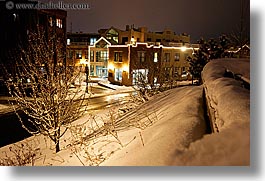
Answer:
[(148, 77), (42, 87)]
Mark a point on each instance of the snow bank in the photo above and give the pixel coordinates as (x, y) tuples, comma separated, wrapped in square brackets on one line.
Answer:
[(178, 137), (175, 119), (179, 122), (231, 107), (229, 101)]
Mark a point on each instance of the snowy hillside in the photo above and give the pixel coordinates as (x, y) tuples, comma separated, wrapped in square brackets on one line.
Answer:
[(170, 129)]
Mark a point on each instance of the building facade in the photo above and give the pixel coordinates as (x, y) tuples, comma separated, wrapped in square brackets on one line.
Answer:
[(131, 63), (131, 35), (130, 55), (174, 61), (16, 26), (77, 47), (98, 56)]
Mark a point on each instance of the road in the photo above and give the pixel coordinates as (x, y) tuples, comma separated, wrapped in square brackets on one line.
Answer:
[(11, 130)]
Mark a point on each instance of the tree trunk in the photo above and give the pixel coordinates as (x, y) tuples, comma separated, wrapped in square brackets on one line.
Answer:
[(57, 146), (57, 140)]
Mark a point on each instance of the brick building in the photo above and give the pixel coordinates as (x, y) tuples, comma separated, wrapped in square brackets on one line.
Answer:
[(17, 24), (132, 62)]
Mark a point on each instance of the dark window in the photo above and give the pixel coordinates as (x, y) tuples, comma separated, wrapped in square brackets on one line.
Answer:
[(97, 56), (167, 72), (124, 40), (117, 56), (167, 57), (141, 57), (149, 39), (186, 55), (86, 57), (70, 54)]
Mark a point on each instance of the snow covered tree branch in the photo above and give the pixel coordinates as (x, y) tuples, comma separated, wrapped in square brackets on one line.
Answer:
[(43, 87)]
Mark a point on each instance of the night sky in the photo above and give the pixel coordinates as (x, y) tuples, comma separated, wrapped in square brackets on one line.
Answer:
[(199, 18)]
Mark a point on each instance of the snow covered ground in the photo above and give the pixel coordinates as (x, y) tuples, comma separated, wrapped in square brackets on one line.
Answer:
[(158, 131), (167, 130)]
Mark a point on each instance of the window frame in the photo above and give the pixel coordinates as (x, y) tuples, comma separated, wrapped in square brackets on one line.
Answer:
[(118, 56)]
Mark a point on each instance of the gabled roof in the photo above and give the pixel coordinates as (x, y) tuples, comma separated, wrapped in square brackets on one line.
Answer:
[(100, 39), (238, 49), (105, 31)]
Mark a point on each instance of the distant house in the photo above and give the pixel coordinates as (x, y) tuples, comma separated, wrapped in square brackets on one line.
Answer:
[(98, 58), (240, 52)]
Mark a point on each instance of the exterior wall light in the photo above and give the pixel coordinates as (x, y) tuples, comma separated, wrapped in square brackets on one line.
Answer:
[(183, 49)]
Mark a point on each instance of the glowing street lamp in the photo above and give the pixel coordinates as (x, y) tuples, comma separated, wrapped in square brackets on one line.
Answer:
[(183, 49)]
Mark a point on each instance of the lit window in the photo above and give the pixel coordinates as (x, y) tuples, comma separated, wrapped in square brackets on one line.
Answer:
[(92, 56), (118, 75), (78, 54), (155, 57), (117, 56), (155, 80), (92, 41), (113, 35), (51, 21), (177, 57), (140, 76), (116, 39), (68, 41), (59, 23), (104, 55)]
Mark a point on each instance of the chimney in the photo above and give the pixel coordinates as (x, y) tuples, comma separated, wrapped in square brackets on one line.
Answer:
[(127, 27)]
